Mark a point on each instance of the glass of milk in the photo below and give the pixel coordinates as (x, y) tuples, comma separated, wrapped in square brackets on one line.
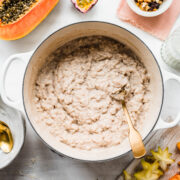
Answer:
[(170, 50)]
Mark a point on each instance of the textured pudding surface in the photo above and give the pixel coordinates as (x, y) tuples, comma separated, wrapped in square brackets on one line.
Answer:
[(72, 93)]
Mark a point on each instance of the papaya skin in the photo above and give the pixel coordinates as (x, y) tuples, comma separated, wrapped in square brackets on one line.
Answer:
[(28, 22)]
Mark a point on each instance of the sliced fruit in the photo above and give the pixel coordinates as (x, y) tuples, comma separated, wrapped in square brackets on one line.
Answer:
[(146, 175), (19, 17), (127, 176), (84, 5), (154, 167), (150, 171), (163, 157), (176, 177), (178, 146)]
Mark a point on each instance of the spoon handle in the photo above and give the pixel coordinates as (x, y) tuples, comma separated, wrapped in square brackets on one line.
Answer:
[(127, 115)]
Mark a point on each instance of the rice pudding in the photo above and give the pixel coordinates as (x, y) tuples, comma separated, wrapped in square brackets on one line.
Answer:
[(72, 92)]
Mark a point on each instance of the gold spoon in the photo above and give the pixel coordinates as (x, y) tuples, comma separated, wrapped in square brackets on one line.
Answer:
[(135, 138), (6, 139)]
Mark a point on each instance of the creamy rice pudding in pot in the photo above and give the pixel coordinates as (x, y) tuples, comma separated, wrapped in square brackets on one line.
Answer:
[(69, 84), (72, 92)]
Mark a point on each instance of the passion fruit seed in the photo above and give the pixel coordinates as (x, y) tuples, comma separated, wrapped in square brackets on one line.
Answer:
[(11, 10), (84, 3)]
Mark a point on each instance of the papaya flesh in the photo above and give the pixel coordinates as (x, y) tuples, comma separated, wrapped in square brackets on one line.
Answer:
[(84, 5), (27, 21)]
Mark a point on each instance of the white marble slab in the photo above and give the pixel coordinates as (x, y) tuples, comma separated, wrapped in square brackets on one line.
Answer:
[(36, 161)]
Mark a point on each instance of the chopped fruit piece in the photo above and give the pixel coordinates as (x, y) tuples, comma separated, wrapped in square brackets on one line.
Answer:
[(127, 176), (176, 177), (146, 175), (154, 167), (148, 5), (178, 146), (150, 172), (163, 157)]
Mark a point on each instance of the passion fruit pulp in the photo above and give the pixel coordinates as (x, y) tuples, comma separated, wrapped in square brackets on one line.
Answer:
[(84, 5)]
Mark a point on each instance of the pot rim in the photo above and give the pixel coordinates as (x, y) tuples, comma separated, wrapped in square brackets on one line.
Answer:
[(103, 22)]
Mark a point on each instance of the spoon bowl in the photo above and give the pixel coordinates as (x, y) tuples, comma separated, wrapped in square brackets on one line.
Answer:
[(6, 139)]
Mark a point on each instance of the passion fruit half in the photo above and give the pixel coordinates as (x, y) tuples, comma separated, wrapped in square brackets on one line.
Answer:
[(84, 5)]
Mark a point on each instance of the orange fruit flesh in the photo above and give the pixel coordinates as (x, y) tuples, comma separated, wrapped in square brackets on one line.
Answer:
[(27, 22)]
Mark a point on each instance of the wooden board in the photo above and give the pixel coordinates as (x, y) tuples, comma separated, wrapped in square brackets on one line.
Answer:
[(163, 138)]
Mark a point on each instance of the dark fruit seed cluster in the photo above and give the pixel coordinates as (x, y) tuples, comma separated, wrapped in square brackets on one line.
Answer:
[(11, 10), (149, 5)]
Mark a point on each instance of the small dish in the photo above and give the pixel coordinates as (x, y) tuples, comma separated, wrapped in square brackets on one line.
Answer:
[(16, 123), (163, 7)]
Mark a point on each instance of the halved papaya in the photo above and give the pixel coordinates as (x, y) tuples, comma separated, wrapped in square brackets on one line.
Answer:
[(19, 17)]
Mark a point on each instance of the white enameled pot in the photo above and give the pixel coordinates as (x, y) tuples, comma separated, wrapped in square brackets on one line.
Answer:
[(33, 62)]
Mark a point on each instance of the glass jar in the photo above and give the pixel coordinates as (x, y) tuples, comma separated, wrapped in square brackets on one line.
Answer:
[(170, 50)]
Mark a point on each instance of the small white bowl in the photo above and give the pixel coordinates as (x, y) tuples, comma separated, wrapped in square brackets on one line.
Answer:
[(16, 123), (163, 7)]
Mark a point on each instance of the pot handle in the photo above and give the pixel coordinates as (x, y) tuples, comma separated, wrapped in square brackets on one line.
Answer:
[(24, 57), (161, 123)]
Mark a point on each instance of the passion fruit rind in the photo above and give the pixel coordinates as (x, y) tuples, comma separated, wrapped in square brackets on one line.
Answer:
[(84, 5)]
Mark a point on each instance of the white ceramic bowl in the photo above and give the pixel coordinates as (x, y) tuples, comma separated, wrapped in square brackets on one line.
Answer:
[(163, 7), (16, 123)]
